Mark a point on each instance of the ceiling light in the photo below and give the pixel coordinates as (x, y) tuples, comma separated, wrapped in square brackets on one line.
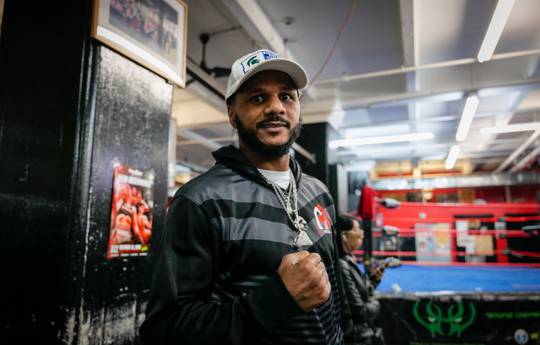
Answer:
[(519, 127), (495, 28), (452, 157), (381, 140), (471, 104)]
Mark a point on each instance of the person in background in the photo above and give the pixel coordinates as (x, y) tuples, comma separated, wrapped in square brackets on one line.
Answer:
[(360, 305)]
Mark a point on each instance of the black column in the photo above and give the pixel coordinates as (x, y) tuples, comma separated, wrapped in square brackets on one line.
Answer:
[(41, 65), (69, 109), (315, 138), (130, 126)]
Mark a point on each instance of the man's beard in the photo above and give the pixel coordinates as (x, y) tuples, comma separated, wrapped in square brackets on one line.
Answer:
[(250, 139)]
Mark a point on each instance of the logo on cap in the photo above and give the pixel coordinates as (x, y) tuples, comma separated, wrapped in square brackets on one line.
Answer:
[(256, 59), (253, 61), (268, 55)]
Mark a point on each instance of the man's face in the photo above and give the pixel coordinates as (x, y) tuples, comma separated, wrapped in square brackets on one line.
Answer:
[(266, 113)]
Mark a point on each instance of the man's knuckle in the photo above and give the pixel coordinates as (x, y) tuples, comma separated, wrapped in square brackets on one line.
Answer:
[(323, 295)]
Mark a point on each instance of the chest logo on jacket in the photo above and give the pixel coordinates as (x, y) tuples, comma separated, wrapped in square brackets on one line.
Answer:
[(323, 219)]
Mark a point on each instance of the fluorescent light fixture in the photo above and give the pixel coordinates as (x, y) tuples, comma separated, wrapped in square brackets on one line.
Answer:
[(471, 104), (518, 127), (381, 140), (495, 29), (371, 131), (452, 157)]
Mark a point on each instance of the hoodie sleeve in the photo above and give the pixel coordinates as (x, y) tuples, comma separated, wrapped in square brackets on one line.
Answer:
[(181, 308)]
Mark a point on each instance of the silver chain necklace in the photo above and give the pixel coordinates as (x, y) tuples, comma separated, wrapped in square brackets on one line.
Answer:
[(289, 202)]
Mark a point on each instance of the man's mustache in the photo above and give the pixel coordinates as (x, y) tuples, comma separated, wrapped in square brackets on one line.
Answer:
[(273, 118)]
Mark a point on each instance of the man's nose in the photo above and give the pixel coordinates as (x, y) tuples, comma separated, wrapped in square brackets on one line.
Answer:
[(274, 106)]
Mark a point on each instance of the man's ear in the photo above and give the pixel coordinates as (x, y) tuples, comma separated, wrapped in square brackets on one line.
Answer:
[(232, 116)]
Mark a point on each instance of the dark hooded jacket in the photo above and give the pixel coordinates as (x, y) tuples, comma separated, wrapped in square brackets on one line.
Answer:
[(360, 307), (215, 279)]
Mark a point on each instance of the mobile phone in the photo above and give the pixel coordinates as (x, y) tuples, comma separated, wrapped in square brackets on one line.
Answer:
[(379, 263), (387, 262)]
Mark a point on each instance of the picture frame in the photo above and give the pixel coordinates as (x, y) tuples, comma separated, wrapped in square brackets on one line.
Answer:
[(153, 33)]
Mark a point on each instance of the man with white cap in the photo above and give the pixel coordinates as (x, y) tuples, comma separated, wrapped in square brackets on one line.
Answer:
[(247, 255)]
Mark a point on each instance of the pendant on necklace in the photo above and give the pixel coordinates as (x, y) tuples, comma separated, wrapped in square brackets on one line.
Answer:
[(300, 223), (302, 240), (289, 208)]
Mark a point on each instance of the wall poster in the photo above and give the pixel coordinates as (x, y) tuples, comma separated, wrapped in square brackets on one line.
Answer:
[(131, 213), (433, 242)]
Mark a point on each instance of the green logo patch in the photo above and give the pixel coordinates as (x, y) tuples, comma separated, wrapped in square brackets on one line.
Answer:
[(253, 61), (454, 322)]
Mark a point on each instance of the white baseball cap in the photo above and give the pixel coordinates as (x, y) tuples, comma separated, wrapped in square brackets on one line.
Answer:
[(263, 60)]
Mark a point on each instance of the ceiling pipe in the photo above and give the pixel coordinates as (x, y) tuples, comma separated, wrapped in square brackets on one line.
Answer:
[(389, 100), (521, 164), (450, 63), (204, 78), (517, 152), (308, 155), (186, 133)]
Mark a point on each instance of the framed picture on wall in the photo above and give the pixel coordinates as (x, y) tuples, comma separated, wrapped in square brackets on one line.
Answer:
[(150, 32)]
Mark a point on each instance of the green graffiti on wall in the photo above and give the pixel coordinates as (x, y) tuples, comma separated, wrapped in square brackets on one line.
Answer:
[(454, 322)]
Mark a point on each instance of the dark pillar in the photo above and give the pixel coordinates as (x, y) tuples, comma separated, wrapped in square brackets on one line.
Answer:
[(338, 187), (70, 109), (41, 65), (315, 138)]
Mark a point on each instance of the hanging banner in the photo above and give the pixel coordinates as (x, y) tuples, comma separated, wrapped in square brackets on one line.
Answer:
[(131, 213)]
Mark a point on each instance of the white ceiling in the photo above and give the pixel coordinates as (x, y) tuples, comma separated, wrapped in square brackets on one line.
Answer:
[(399, 67)]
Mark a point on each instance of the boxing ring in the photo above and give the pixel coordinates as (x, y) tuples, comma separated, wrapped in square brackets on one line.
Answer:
[(409, 278), (469, 274)]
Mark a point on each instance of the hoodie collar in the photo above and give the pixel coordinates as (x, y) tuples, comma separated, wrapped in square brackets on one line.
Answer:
[(235, 159)]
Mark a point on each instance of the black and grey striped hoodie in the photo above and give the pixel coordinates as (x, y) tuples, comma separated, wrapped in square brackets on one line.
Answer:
[(215, 279)]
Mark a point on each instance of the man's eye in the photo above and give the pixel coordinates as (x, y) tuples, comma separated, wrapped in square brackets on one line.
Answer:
[(257, 99), (286, 97)]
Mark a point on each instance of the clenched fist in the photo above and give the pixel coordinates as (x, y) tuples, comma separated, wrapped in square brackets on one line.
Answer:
[(305, 277)]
